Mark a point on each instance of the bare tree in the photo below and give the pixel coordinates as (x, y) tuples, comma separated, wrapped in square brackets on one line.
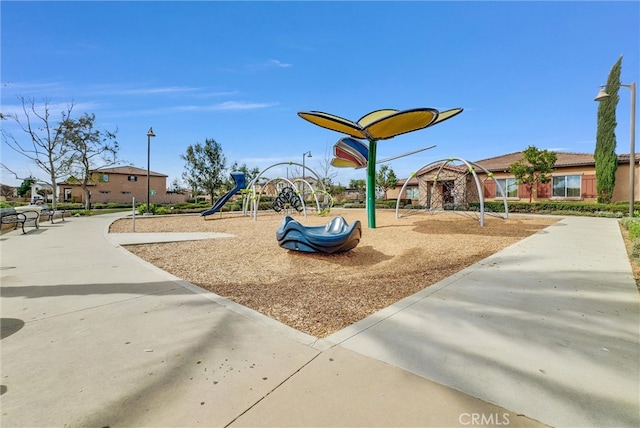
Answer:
[(46, 145), (91, 149), (327, 171)]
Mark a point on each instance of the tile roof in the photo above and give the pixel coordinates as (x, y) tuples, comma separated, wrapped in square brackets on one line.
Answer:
[(564, 159), (129, 170)]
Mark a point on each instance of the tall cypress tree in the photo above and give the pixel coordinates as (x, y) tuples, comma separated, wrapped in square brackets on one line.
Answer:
[(605, 154)]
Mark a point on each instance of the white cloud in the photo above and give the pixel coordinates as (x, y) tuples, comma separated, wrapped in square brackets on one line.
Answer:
[(159, 90), (276, 63), (227, 105), (54, 108), (272, 63)]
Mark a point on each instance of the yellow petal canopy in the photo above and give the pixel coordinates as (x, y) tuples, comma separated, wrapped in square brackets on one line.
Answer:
[(381, 124), (400, 123), (375, 115), (334, 123), (447, 114)]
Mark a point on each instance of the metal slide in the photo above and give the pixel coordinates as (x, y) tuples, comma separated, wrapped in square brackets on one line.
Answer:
[(238, 177)]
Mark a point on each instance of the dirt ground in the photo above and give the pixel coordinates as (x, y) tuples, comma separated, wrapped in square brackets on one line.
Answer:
[(320, 294)]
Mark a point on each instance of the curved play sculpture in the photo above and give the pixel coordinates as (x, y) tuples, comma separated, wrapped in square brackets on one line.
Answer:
[(287, 197), (335, 237)]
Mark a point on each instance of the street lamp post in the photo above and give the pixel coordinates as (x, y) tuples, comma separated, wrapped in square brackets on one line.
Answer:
[(304, 155), (602, 95), (149, 135)]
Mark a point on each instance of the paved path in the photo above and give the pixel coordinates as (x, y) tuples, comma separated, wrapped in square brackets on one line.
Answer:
[(544, 332)]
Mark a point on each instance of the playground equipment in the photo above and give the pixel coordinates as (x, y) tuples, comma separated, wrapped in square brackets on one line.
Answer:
[(379, 125), (452, 185), (260, 184), (240, 181), (287, 198), (335, 237)]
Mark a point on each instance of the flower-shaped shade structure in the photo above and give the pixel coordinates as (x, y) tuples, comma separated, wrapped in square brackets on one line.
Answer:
[(381, 124), (374, 126)]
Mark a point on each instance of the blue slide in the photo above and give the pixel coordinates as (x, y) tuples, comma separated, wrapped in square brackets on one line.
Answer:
[(238, 177)]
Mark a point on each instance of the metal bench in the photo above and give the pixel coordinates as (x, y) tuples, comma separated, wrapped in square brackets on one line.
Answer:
[(11, 216), (47, 211)]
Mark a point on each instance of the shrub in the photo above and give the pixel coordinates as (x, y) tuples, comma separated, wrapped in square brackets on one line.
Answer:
[(159, 210), (635, 248), (353, 205), (80, 212), (72, 206), (634, 230), (387, 203), (627, 220), (153, 208)]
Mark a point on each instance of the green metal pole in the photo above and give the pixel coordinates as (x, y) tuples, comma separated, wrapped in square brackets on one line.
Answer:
[(371, 185)]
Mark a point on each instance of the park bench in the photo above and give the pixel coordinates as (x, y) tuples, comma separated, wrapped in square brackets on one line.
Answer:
[(11, 216), (47, 211)]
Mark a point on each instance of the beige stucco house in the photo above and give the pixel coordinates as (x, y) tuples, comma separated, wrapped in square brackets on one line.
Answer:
[(120, 185), (573, 179)]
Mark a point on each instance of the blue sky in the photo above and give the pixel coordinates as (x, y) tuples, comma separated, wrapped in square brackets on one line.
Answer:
[(526, 74)]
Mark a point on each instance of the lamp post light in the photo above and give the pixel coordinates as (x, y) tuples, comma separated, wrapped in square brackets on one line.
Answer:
[(304, 155), (149, 135), (602, 95)]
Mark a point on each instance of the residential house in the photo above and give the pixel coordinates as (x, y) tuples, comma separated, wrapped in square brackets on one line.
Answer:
[(573, 179), (8, 192), (120, 185)]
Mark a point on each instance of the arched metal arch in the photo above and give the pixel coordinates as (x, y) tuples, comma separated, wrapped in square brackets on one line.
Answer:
[(256, 199), (471, 166)]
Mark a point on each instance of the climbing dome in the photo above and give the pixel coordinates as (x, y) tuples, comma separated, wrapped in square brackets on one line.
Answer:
[(453, 185), (289, 195)]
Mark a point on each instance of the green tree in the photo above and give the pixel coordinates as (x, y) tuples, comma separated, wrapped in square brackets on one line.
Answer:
[(337, 189), (205, 167), (176, 186), (24, 188), (605, 153), (45, 144), (360, 185), (386, 179), (249, 173), (533, 168), (90, 149)]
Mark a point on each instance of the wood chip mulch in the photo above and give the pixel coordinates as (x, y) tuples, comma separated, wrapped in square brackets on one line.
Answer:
[(321, 294)]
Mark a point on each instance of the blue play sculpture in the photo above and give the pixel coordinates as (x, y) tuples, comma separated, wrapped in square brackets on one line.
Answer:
[(238, 177), (337, 236)]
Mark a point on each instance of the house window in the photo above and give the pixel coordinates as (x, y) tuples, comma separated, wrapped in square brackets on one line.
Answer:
[(125, 192), (105, 192), (566, 186), (132, 178), (508, 185), (105, 178), (412, 192)]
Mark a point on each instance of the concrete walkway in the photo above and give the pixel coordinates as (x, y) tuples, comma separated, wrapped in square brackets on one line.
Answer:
[(544, 332)]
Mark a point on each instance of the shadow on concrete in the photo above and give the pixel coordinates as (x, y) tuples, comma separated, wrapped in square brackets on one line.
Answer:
[(138, 289), (566, 351), (9, 326)]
